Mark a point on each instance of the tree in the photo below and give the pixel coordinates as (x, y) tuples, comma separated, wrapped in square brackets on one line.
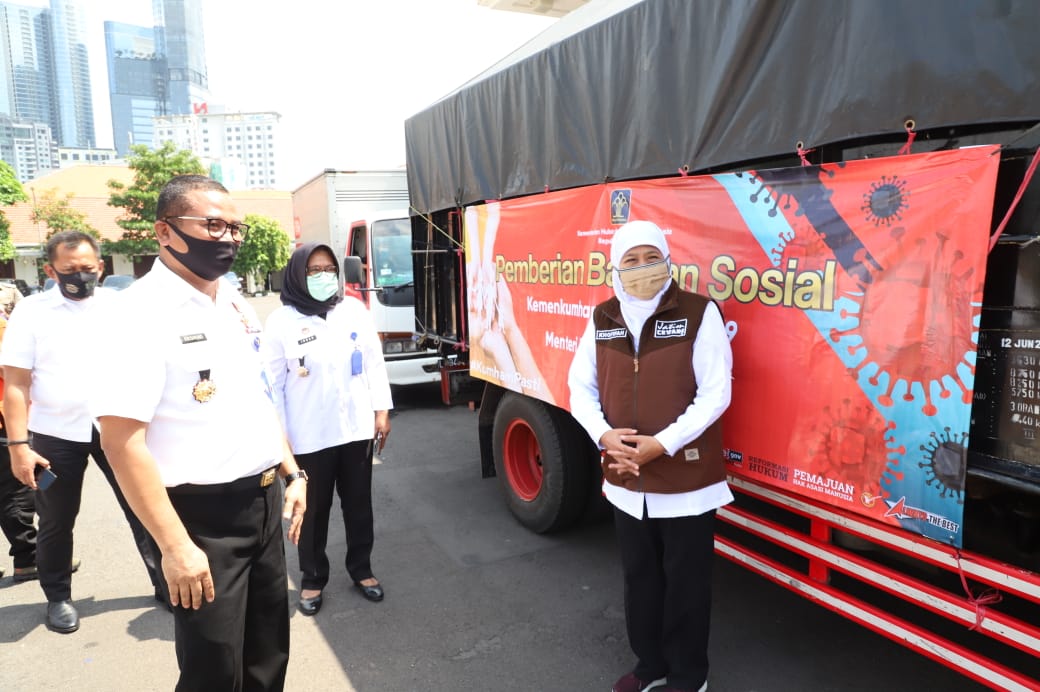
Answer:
[(153, 168), (265, 248), (59, 215), (11, 191)]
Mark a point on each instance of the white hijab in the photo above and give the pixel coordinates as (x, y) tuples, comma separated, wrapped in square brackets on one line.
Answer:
[(633, 234)]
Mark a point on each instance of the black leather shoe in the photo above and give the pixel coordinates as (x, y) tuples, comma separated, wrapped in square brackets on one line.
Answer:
[(310, 606), (62, 617), (373, 593)]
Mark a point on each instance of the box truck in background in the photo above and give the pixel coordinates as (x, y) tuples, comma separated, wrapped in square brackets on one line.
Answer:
[(364, 214)]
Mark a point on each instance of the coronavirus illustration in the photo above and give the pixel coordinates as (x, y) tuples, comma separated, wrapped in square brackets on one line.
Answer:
[(886, 201), (850, 441), (920, 358), (944, 460)]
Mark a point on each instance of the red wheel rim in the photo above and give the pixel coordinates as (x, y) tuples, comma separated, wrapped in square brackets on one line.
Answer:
[(522, 457)]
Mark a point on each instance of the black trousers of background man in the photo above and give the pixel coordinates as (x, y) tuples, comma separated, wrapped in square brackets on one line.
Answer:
[(17, 510), (667, 565), (347, 469), (58, 507), (240, 641)]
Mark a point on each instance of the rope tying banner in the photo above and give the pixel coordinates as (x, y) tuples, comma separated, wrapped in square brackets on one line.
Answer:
[(1014, 203), (911, 135), (987, 597)]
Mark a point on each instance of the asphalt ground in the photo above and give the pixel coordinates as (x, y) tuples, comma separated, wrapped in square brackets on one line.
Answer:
[(474, 601)]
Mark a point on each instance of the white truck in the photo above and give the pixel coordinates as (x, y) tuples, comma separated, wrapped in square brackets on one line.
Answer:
[(363, 216)]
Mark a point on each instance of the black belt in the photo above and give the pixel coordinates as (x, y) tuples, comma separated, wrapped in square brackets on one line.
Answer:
[(255, 482)]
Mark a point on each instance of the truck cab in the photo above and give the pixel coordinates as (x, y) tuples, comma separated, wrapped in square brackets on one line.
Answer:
[(378, 271)]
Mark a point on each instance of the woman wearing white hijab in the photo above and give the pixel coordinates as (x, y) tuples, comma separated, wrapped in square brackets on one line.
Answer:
[(649, 382)]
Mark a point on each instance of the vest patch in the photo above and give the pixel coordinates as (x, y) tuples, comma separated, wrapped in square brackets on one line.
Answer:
[(607, 334), (664, 329), (692, 454)]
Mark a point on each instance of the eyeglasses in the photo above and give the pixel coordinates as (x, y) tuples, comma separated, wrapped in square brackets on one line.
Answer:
[(218, 227), (314, 271)]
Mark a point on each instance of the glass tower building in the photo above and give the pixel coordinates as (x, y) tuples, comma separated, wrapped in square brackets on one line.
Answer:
[(155, 71), (136, 83), (184, 45), (44, 75)]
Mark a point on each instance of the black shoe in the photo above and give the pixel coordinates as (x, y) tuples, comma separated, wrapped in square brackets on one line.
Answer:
[(62, 617), (373, 593), (310, 606)]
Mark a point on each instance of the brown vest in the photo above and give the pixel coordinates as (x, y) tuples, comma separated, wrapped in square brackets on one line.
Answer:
[(650, 391)]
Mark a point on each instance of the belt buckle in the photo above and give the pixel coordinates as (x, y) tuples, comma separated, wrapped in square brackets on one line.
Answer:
[(267, 478)]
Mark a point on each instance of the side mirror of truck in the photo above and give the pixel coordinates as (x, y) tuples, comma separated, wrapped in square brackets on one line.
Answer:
[(352, 271)]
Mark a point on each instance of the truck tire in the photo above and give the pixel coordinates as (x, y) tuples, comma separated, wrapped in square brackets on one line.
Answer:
[(541, 463)]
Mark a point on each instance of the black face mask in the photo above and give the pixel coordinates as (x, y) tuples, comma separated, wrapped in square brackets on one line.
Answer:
[(77, 285), (206, 259)]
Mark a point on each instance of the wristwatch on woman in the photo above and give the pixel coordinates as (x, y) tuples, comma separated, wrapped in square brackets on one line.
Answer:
[(290, 477)]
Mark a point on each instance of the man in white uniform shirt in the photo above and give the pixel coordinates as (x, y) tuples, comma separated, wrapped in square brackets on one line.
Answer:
[(188, 423), (45, 363)]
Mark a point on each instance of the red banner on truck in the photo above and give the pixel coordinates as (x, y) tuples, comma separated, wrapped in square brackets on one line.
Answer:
[(851, 292)]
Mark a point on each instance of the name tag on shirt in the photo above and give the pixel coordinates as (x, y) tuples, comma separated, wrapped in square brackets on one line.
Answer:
[(608, 334), (307, 339), (192, 338)]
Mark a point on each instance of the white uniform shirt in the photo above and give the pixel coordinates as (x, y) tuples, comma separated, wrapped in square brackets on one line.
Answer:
[(50, 334), (329, 406), (712, 364), (161, 333)]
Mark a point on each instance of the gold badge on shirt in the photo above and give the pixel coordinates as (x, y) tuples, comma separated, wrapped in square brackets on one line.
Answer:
[(204, 389)]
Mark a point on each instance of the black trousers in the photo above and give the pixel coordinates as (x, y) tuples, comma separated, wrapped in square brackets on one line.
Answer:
[(58, 507), (240, 641), (17, 509), (667, 565), (347, 469)]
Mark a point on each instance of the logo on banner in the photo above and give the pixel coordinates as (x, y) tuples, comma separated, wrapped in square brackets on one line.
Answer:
[(667, 329), (608, 334), (620, 203), (901, 510)]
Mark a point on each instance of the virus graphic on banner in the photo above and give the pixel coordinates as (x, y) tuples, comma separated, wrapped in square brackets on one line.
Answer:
[(923, 357), (886, 201), (945, 462), (904, 324), (838, 444)]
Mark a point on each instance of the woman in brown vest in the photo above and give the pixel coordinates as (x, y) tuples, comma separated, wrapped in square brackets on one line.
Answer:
[(649, 382)]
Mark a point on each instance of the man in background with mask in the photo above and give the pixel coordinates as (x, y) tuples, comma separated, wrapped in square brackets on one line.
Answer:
[(45, 363), (649, 382), (188, 422)]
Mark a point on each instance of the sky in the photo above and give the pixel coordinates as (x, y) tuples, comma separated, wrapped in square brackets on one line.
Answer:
[(343, 74)]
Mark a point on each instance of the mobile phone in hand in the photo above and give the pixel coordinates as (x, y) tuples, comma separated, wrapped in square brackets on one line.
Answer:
[(44, 477)]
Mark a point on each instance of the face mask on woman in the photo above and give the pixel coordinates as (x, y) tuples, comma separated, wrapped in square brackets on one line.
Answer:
[(644, 282), (322, 286)]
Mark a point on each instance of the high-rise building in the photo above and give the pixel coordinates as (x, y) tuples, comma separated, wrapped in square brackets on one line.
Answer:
[(28, 147), (183, 44), (156, 71), (242, 147), (136, 83), (45, 76), (73, 103)]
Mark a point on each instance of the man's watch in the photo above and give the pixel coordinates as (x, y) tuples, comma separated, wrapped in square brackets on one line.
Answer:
[(290, 477)]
